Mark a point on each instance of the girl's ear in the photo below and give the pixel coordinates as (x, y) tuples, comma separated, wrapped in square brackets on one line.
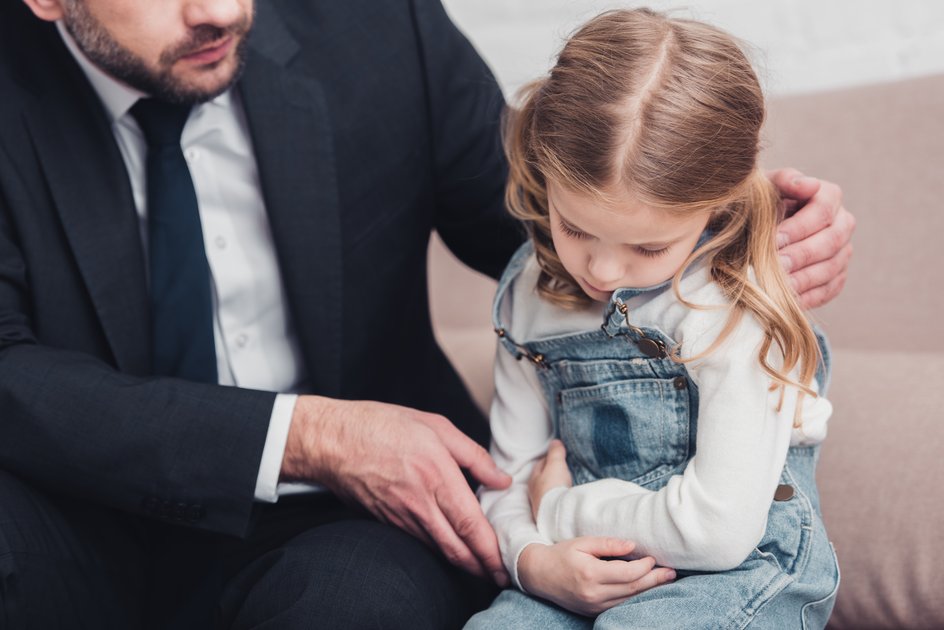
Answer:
[(49, 10)]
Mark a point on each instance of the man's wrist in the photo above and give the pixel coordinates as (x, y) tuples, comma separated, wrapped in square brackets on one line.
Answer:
[(308, 440)]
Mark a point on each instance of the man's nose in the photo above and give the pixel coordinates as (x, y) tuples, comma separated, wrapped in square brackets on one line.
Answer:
[(219, 13)]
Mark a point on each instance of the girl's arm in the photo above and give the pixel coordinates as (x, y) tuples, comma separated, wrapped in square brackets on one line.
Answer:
[(521, 432), (711, 516), (571, 573)]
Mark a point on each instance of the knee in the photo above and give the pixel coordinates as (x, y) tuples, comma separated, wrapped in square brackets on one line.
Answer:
[(24, 543), (352, 574), (22, 515)]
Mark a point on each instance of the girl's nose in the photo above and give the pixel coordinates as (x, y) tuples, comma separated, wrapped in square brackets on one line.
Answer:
[(606, 269)]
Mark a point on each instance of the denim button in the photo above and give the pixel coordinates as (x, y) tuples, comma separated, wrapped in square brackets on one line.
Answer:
[(783, 493), (650, 348), (680, 382)]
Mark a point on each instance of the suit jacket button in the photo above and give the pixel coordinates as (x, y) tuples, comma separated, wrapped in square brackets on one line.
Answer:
[(179, 512), (195, 513)]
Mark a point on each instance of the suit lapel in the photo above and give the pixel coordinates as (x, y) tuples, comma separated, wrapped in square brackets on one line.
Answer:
[(89, 186), (291, 133), (292, 139)]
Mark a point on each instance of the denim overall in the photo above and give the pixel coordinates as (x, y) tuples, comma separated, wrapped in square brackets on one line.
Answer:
[(624, 409)]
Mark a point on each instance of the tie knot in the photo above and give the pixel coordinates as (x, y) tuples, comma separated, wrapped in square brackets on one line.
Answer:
[(160, 121)]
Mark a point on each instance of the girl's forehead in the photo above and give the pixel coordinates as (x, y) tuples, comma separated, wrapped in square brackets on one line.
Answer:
[(614, 205), (618, 215)]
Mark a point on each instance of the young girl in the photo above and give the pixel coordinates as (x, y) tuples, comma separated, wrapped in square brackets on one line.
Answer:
[(648, 325)]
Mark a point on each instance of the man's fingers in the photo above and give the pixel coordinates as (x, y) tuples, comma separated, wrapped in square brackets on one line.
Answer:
[(792, 184), (465, 518), (452, 546), (824, 293), (821, 273), (821, 245), (817, 214), (468, 453)]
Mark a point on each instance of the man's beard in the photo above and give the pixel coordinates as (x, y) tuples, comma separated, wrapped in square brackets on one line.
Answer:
[(100, 47)]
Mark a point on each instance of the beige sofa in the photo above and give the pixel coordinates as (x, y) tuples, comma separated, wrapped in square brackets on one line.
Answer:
[(882, 469)]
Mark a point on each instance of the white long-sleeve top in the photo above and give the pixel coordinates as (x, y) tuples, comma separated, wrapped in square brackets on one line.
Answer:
[(712, 515)]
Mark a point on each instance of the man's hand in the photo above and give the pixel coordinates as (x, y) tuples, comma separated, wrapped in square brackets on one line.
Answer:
[(574, 574), (815, 237), (403, 466), (550, 472)]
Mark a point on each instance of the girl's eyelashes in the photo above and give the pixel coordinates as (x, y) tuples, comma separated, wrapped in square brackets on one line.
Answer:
[(652, 253), (571, 232)]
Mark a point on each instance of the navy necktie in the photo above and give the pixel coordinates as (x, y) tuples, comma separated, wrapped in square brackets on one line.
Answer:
[(181, 307)]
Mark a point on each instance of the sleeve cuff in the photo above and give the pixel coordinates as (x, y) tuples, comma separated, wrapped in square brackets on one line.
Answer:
[(267, 481), (518, 548)]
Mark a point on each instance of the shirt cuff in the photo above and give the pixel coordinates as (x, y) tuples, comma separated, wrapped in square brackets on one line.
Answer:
[(267, 482)]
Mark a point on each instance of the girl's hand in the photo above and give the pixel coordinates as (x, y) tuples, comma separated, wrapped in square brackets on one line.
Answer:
[(550, 472), (574, 574), (815, 238)]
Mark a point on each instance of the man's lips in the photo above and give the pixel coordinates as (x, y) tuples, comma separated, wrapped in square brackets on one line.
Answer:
[(210, 54)]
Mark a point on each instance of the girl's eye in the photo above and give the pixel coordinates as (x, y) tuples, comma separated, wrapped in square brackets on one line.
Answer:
[(571, 232), (653, 253)]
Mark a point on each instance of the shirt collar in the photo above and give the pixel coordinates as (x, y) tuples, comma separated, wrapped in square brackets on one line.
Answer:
[(117, 97)]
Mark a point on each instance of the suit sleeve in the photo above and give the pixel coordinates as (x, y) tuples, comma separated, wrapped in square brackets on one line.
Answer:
[(177, 451), (464, 110)]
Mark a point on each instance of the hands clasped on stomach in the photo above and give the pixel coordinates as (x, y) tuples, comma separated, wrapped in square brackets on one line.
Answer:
[(586, 575)]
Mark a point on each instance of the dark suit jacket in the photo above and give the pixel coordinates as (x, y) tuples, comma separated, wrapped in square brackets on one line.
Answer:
[(372, 121)]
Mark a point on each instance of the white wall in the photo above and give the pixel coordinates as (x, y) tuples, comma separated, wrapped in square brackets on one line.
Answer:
[(803, 45)]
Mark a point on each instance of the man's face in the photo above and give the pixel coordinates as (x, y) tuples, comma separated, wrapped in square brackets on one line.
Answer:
[(182, 51)]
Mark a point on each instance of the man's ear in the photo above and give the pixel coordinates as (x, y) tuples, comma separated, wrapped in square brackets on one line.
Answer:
[(49, 10)]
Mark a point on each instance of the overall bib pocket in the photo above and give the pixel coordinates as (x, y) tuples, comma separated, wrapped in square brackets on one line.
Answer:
[(636, 430)]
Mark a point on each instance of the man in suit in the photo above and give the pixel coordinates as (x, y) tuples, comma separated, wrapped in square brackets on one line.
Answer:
[(213, 227)]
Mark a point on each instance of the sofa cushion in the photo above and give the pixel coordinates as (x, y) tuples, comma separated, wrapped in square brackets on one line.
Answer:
[(881, 480)]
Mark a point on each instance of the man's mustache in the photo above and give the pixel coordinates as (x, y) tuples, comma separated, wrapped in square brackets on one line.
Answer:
[(203, 35)]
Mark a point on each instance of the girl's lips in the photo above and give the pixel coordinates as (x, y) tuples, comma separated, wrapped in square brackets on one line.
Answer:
[(211, 54), (593, 288)]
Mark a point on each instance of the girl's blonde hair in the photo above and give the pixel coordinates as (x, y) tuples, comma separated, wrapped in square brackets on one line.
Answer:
[(670, 110)]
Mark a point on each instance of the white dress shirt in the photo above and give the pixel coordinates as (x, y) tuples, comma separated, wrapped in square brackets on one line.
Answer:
[(256, 346)]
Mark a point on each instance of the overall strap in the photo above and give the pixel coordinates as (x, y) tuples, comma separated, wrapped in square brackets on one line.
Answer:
[(512, 271)]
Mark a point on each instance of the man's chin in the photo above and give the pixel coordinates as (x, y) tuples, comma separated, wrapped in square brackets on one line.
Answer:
[(200, 91), (204, 83)]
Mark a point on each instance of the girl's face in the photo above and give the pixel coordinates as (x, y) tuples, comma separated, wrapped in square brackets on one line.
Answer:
[(607, 247)]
